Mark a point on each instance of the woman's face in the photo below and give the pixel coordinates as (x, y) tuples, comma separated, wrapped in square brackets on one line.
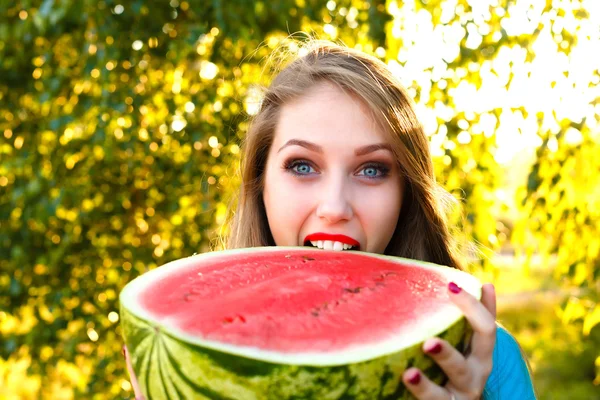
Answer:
[(331, 178)]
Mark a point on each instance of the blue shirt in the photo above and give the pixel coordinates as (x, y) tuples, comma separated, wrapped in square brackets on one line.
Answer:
[(510, 378)]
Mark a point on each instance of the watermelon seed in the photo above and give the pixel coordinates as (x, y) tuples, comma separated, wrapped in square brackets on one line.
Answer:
[(188, 297), (315, 313), (353, 290), (229, 320)]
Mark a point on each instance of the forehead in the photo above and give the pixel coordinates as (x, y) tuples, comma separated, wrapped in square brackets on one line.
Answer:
[(326, 113)]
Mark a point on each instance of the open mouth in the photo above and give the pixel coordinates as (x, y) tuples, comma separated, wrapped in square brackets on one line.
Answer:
[(330, 245)]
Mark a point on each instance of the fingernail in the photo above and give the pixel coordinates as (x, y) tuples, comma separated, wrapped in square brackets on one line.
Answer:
[(124, 351), (454, 288), (435, 349), (415, 379)]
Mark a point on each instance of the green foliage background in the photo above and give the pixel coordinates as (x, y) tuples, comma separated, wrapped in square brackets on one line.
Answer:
[(120, 125)]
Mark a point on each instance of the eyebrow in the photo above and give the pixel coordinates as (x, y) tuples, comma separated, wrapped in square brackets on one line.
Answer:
[(361, 151)]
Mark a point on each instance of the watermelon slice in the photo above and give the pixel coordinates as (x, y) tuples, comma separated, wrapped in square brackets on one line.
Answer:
[(288, 323)]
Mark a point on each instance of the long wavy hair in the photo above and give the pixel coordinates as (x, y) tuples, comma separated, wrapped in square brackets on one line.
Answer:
[(422, 231)]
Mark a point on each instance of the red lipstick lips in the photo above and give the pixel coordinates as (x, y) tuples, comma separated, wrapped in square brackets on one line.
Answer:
[(336, 238)]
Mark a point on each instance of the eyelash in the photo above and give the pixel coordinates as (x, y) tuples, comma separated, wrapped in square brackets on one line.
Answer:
[(293, 163)]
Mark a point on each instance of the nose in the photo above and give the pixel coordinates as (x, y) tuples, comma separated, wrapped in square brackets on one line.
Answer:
[(334, 203)]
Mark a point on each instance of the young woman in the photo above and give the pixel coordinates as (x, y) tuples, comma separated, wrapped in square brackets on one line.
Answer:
[(336, 158)]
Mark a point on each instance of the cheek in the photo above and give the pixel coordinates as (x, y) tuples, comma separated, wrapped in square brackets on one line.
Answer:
[(379, 217), (287, 206)]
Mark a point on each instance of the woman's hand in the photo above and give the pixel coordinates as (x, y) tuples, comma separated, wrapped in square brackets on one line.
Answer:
[(137, 392), (466, 376)]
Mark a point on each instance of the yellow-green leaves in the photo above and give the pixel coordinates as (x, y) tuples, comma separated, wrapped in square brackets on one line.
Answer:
[(120, 130)]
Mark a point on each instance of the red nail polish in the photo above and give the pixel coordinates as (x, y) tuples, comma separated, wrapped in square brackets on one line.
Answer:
[(415, 379), (454, 288), (435, 349)]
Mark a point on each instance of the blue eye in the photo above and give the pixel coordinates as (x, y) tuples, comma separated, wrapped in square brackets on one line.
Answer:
[(370, 171), (299, 167), (303, 168), (375, 171)]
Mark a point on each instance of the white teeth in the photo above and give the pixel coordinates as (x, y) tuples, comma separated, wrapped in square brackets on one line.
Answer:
[(330, 245)]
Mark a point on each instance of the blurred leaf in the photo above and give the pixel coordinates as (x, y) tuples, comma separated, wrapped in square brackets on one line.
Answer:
[(591, 320)]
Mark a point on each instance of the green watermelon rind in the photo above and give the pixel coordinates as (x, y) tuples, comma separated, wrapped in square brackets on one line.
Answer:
[(170, 364), (168, 368)]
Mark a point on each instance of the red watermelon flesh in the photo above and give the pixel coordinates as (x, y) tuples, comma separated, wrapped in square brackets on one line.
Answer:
[(303, 300)]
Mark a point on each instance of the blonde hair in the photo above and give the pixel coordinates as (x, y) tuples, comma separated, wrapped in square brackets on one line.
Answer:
[(422, 231)]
